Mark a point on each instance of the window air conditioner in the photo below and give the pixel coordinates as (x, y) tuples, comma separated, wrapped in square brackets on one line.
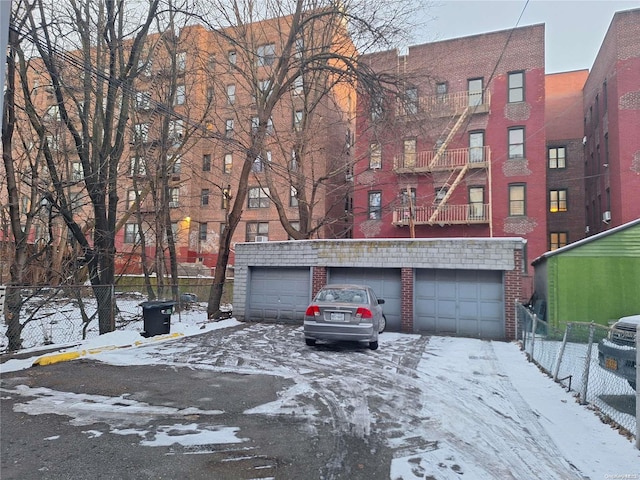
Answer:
[(262, 238), (606, 216)]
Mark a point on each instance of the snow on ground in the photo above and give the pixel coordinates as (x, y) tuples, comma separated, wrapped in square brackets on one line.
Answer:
[(465, 402)]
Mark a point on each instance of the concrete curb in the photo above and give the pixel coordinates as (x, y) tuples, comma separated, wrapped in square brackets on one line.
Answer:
[(67, 356)]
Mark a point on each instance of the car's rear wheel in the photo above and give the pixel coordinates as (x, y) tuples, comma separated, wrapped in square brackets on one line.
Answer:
[(373, 345), (310, 341), (383, 324)]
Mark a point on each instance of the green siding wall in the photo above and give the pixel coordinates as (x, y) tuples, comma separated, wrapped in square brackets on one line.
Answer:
[(596, 282)]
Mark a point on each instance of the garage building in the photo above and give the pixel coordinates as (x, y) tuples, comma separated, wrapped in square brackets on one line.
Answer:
[(465, 287)]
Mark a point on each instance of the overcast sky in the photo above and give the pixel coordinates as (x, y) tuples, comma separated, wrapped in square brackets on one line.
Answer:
[(574, 29)]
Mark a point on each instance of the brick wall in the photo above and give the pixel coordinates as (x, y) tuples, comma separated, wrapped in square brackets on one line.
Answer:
[(512, 293), (407, 279)]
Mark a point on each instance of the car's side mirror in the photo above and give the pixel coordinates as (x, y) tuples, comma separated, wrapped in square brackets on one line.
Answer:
[(380, 301)]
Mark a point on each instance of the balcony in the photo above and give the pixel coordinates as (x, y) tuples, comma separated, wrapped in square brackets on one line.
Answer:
[(454, 159), (475, 213), (447, 104)]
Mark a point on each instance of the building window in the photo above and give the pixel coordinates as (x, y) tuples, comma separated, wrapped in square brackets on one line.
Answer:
[(204, 197), (228, 128), (202, 232), (476, 202), (298, 117), (411, 101), (409, 152), (181, 95), (232, 57), (131, 198), (557, 157), (181, 61), (257, 231), (376, 107), (131, 233), (408, 202), (557, 240), (77, 172), (299, 49), (440, 194), (258, 197), (138, 166), (143, 100), (476, 147), (441, 90), (266, 55), (375, 205), (516, 143), (298, 85), (558, 200), (228, 163), (211, 94), (516, 87), (174, 197), (226, 196), (231, 94), (475, 88), (176, 130), (206, 163), (259, 162), (141, 132), (375, 156), (517, 200), (293, 197), (293, 163)]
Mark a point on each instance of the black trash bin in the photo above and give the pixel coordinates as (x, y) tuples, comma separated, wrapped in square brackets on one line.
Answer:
[(157, 317)]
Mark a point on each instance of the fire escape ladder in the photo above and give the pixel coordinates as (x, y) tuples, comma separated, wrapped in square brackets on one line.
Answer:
[(444, 200), (450, 136)]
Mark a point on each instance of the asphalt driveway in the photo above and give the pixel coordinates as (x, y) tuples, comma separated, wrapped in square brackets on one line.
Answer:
[(253, 401)]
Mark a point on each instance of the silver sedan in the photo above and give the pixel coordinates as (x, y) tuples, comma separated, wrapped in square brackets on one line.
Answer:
[(345, 312)]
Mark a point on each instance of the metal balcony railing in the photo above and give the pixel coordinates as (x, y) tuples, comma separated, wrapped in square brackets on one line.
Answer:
[(446, 104), (474, 213), (475, 157)]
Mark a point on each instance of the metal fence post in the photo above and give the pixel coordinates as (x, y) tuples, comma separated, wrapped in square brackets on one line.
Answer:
[(556, 370), (638, 387), (587, 365), (534, 327)]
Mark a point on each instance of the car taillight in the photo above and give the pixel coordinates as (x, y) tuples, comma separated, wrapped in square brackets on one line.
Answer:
[(363, 313), (313, 311)]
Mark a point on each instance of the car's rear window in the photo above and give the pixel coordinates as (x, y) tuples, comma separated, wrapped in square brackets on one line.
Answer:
[(342, 295)]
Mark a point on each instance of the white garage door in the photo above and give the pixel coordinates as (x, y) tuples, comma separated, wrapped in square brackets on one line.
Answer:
[(384, 281), (460, 302), (281, 294)]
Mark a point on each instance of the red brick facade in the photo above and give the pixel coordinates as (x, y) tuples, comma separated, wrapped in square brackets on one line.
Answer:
[(492, 60), (612, 122)]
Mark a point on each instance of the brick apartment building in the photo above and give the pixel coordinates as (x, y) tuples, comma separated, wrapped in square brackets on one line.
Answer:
[(220, 82), (611, 125), (482, 144), (565, 157), (463, 154)]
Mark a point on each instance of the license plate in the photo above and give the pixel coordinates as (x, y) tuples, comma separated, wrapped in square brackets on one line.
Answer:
[(337, 317), (611, 363)]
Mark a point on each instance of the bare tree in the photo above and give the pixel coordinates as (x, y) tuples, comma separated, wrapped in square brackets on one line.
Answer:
[(318, 43), (87, 53)]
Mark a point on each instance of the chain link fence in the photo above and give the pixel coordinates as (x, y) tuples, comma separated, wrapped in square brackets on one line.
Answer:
[(570, 357), (40, 316)]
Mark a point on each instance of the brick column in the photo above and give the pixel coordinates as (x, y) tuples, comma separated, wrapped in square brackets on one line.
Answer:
[(512, 292), (318, 279), (406, 300)]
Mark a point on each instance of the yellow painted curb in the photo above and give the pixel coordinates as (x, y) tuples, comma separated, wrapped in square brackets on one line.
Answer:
[(65, 357), (59, 357)]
